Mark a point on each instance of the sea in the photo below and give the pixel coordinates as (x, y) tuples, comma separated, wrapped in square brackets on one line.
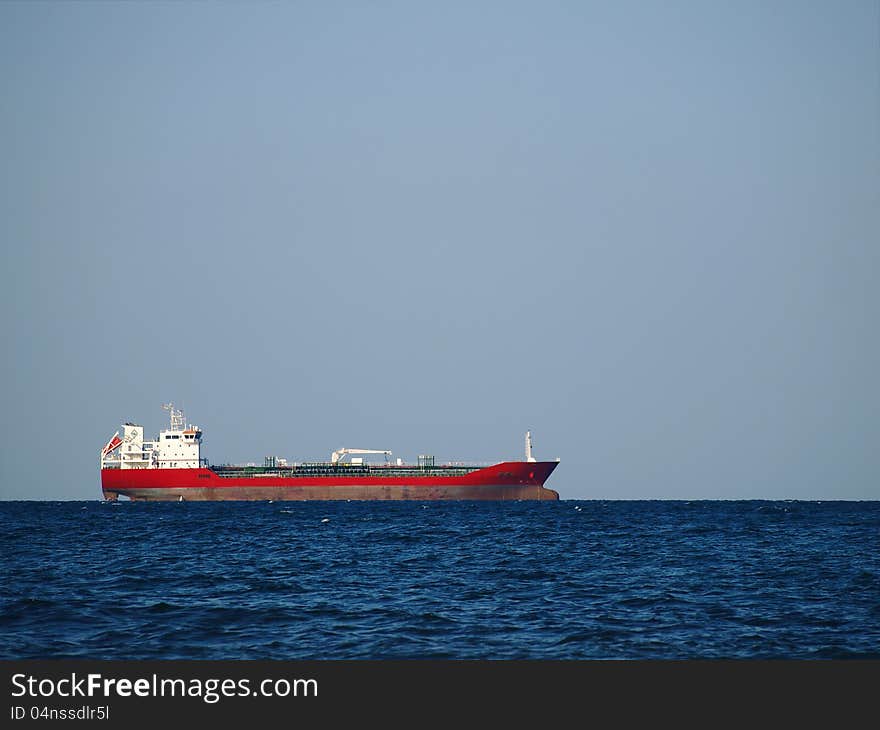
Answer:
[(459, 580)]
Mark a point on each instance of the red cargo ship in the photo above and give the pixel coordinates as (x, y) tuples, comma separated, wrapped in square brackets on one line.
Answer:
[(171, 468)]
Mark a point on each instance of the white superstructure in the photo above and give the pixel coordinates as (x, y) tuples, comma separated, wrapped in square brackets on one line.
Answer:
[(177, 447)]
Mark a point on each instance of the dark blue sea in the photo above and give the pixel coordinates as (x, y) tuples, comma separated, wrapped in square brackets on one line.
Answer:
[(369, 580)]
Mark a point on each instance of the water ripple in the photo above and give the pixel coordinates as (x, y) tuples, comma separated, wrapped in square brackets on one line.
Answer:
[(565, 580)]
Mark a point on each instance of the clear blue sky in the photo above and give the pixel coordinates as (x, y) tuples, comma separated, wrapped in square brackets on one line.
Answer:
[(648, 231)]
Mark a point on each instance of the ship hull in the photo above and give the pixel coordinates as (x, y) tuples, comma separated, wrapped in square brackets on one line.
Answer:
[(504, 481)]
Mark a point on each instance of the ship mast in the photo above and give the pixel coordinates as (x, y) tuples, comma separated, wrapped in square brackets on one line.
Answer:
[(529, 456), (178, 422)]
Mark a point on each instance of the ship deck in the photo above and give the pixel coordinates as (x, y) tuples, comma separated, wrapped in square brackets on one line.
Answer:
[(341, 470)]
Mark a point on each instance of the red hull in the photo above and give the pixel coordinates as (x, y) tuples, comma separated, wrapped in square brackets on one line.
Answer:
[(507, 480)]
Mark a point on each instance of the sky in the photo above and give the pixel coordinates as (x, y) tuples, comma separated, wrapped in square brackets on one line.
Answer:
[(647, 231)]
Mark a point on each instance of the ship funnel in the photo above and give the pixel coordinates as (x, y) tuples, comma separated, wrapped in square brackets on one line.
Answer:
[(529, 456)]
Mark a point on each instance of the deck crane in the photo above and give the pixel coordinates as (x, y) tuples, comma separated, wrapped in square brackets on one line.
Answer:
[(337, 455)]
